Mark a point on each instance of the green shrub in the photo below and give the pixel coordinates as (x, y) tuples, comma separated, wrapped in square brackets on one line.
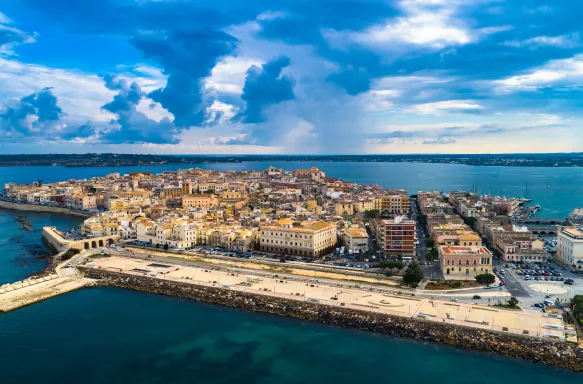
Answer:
[(69, 253), (485, 278)]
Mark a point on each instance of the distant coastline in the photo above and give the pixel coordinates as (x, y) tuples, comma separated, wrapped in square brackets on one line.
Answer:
[(113, 160)]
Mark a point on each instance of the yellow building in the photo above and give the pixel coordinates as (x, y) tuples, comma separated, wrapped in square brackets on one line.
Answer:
[(344, 208), (397, 203), (363, 205), (301, 239), (199, 201)]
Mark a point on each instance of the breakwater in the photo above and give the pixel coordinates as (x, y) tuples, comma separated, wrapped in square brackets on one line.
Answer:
[(41, 208), (559, 354)]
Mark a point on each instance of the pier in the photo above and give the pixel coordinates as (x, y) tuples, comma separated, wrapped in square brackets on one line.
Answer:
[(540, 225), (31, 291)]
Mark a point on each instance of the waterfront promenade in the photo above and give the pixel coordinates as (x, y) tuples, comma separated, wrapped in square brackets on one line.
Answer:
[(341, 294)]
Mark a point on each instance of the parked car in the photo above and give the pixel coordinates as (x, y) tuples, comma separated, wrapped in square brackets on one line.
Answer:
[(476, 297)]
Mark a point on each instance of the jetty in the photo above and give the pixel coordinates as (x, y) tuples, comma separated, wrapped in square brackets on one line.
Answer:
[(34, 290), (540, 225)]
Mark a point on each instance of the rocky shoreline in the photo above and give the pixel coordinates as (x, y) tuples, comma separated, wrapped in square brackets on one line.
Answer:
[(546, 351)]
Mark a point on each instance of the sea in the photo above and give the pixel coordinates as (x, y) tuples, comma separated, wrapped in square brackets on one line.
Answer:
[(108, 335)]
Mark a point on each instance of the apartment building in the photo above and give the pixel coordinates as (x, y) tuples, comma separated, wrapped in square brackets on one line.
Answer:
[(521, 249), (199, 201), (355, 239), (394, 202), (396, 237), (363, 205), (294, 238), (84, 202), (464, 262), (570, 246)]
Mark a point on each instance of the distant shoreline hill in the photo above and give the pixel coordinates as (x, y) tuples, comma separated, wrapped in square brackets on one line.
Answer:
[(112, 159)]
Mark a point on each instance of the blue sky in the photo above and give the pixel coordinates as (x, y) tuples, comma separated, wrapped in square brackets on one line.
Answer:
[(291, 76)]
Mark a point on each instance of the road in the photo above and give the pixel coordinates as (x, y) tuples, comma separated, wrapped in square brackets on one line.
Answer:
[(433, 270), (513, 285)]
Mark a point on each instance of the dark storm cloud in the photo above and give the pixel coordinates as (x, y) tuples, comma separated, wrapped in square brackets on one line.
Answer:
[(266, 86), (31, 115), (130, 125), (187, 58)]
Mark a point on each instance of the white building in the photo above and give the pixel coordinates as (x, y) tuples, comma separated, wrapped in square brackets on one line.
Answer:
[(570, 246)]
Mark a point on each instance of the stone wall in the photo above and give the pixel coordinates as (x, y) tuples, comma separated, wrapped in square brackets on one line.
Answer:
[(544, 351), (52, 237), (41, 208)]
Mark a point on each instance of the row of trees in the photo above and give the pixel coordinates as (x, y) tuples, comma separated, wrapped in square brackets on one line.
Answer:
[(391, 264), (577, 305)]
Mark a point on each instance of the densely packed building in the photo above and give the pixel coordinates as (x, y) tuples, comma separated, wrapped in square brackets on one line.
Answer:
[(491, 218), (301, 213)]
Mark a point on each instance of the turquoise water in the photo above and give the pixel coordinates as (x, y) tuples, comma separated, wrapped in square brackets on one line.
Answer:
[(115, 336), (19, 247)]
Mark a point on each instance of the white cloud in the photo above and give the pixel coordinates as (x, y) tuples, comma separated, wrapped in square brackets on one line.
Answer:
[(14, 36), (555, 72), (228, 76), (79, 94), (427, 23), (562, 41), (220, 112), (4, 19), (271, 15), (446, 106)]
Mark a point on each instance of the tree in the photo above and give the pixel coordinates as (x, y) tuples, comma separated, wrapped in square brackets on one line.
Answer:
[(396, 264), (422, 219), (430, 243), (485, 278), (157, 245), (413, 274), (383, 264), (165, 246), (372, 213), (513, 302), (432, 255)]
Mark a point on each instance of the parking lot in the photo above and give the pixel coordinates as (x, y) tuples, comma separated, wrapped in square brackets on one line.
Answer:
[(533, 284)]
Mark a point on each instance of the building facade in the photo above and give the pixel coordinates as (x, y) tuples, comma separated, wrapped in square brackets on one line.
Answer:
[(570, 246), (396, 237), (460, 261), (312, 239)]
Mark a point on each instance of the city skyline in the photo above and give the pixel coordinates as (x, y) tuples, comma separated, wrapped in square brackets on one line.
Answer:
[(183, 77)]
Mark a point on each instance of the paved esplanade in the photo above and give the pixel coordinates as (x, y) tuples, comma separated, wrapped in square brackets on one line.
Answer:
[(348, 295)]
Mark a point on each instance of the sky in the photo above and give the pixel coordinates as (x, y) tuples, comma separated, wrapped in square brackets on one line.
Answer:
[(291, 76)]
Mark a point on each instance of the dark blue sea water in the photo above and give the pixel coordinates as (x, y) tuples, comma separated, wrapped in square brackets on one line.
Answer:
[(115, 336)]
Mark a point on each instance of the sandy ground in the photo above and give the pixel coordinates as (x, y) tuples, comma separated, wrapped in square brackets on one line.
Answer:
[(548, 288), (285, 268), (377, 300)]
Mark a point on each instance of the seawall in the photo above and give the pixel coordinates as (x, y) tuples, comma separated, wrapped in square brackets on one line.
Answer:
[(41, 208), (544, 351)]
